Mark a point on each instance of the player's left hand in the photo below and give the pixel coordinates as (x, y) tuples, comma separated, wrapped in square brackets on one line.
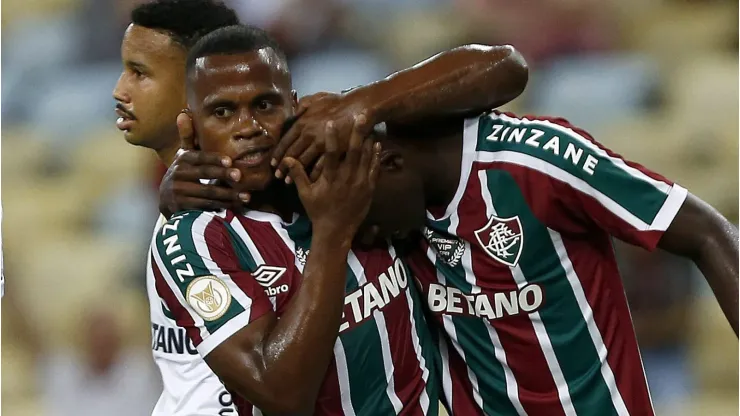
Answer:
[(303, 141)]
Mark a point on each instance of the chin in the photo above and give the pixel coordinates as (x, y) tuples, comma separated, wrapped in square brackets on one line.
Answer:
[(255, 181)]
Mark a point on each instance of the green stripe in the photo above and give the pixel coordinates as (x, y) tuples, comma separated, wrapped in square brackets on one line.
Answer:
[(608, 178), (561, 314), (429, 349), (472, 335), (362, 348), (246, 260), (184, 234)]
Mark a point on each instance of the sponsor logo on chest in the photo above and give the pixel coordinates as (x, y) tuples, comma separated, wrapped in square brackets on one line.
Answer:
[(496, 305), (374, 295)]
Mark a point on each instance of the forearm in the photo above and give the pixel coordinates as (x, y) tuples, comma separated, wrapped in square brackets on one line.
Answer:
[(467, 79), (297, 351), (718, 261)]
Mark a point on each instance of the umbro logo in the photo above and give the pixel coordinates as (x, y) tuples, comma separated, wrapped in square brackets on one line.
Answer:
[(266, 276)]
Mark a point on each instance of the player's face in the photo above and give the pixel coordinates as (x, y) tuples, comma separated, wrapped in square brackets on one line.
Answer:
[(398, 205), (239, 104), (151, 89)]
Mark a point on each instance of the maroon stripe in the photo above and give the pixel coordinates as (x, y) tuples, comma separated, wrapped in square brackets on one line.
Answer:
[(182, 317), (563, 208), (329, 401), (462, 400), (222, 253), (596, 267), (274, 252), (524, 355), (407, 375)]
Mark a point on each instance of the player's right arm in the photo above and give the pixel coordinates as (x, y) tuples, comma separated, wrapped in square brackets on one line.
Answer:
[(276, 364)]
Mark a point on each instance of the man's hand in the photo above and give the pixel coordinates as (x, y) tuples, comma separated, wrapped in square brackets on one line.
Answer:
[(339, 200), (304, 140), (181, 188)]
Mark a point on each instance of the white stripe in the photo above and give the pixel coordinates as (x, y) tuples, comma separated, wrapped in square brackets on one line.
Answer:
[(512, 387), (424, 399), (670, 208), (449, 327), (553, 171), (539, 327), (197, 320), (199, 240), (446, 376), (588, 316), (470, 140), (256, 411), (283, 233), (252, 248), (231, 327), (358, 270), (618, 162), (343, 375)]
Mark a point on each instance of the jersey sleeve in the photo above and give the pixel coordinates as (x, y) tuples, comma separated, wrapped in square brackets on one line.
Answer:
[(573, 183), (199, 276)]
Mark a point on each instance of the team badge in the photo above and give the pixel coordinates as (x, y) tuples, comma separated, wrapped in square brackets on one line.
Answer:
[(502, 239), (450, 250), (266, 276), (209, 297)]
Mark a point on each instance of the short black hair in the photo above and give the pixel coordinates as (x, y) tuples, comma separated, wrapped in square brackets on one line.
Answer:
[(185, 21), (233, 40)]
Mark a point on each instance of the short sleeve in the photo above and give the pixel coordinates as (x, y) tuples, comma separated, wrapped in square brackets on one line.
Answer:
[(572, 179), (199, 277)]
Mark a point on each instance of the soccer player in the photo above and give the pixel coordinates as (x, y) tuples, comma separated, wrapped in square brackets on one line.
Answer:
[(280, 308), (520, 213), (519, 269), (150, 93)]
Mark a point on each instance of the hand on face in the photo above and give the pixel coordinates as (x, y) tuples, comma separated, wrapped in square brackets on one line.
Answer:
[(304, 140), (181, 188), (339, 199)]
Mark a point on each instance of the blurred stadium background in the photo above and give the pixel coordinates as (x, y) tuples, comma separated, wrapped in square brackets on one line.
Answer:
[(656, 80)]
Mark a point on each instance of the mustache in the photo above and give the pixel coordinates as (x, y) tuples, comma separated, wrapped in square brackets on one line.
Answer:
[(123, 109)]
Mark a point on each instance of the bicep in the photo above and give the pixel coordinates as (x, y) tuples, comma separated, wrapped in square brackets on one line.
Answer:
[(696, 226)]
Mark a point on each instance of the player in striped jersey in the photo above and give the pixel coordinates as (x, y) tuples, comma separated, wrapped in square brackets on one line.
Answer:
[(236, 282), (150, 94), (523, 279)]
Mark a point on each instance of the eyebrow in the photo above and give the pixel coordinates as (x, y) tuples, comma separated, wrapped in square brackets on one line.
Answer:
[(135, 64)]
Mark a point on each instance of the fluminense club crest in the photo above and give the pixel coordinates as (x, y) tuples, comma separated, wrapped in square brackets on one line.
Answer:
[(449, 249), (502, 239)]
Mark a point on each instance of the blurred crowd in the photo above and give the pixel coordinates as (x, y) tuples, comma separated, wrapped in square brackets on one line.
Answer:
[(655, 80)]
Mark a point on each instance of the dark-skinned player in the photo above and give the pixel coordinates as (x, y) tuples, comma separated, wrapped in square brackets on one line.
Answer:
[(291, 318), (519, 216)]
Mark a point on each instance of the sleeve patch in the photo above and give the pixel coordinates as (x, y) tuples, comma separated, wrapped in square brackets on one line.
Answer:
[(209, 297)]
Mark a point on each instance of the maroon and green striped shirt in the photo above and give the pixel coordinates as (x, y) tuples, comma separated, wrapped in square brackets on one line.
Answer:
[(523, 280), (218, 272)]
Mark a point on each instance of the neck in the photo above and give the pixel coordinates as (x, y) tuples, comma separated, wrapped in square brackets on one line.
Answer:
[(439, 164), (167, 154), (279, 199)]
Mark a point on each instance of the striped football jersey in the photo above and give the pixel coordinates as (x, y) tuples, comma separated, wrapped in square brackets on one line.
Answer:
[(217, 272), (520, 274)]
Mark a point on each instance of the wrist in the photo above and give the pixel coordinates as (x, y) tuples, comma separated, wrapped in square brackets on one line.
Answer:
[(372, 100), (332, 238)]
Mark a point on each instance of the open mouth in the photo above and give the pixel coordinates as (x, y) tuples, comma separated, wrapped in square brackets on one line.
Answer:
[(253, 157)]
